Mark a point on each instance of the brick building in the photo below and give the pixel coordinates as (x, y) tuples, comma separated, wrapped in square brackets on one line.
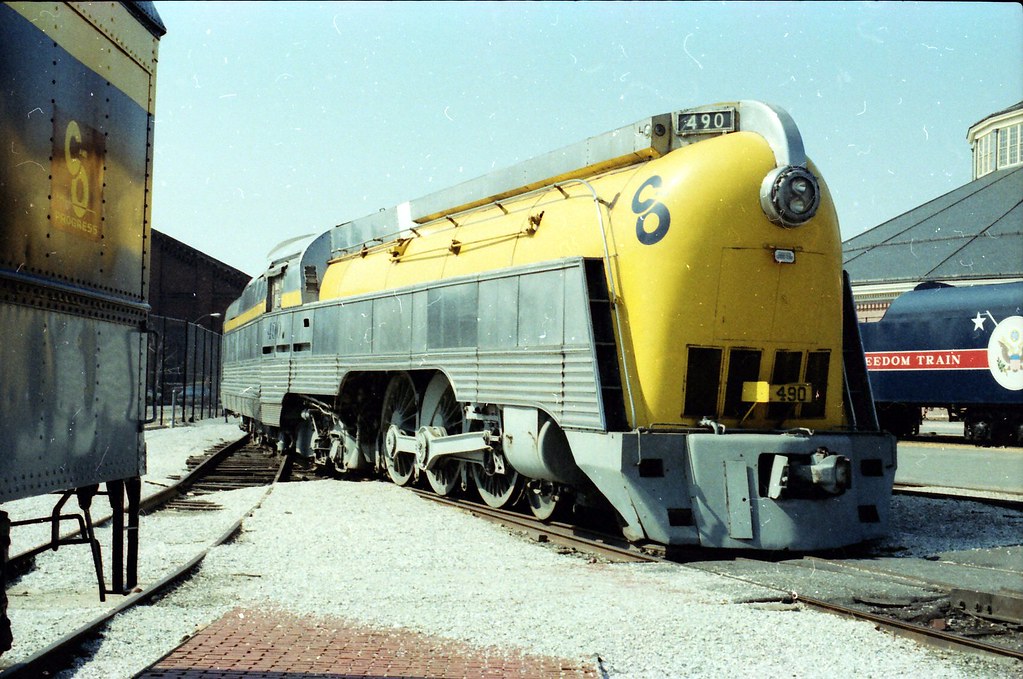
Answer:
[(187, 284)]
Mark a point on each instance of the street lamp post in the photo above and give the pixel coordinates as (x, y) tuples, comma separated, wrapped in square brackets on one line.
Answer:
[(215, 314)]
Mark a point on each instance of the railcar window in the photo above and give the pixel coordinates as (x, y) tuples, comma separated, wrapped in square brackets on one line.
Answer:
[(273, 299), (743, 366), (787, 365), (817, 375), (703, 378)]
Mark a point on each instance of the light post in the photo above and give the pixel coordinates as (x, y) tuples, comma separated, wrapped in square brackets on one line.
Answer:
[(215, 314)]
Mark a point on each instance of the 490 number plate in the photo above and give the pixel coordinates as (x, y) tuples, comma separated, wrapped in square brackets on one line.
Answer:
[(791, 393), (703, 122), (763, 392)]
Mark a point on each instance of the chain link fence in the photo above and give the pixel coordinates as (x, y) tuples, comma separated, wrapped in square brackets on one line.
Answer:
[(183, 383)]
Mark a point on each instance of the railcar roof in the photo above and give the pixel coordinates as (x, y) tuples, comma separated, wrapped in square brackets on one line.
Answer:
[(147, 15), (1001, 298), (973, 232)]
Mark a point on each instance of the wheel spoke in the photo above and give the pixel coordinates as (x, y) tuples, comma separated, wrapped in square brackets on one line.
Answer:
[(498, 490), (401, 409), (543, 499), (440, 409)]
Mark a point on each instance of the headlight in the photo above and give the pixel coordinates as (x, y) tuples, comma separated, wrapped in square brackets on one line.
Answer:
[(790, 195)]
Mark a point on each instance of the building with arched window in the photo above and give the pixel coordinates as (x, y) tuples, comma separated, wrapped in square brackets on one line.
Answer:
[(997, 141)]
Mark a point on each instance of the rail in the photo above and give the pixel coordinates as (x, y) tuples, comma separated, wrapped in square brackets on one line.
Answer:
[(590, 541)]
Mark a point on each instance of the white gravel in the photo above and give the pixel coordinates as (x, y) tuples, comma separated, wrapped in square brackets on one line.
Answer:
[(375, 554)]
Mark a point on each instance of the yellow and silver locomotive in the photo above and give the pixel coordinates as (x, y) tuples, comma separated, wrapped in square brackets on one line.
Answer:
[(654, 318)]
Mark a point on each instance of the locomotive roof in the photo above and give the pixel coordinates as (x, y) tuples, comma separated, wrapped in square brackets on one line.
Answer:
[(974, 232), (646, 138)]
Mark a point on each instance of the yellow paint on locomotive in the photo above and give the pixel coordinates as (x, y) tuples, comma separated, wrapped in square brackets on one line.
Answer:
[(712, 280), (127, 68), (291, 298), (709, 280), (244, 317)]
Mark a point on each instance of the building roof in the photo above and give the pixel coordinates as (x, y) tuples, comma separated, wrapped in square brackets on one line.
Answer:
[(971, 233), (189, 253), (1015, 107)]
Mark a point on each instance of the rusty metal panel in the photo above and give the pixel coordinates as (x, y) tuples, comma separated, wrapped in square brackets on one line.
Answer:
[(74, 206), (71, 402), (73, 203), (1002, 606)]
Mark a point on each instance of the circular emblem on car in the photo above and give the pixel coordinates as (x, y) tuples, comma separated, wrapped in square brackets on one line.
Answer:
[(1004, 351)]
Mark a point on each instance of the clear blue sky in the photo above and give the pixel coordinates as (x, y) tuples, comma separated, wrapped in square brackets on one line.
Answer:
[(276, 119)]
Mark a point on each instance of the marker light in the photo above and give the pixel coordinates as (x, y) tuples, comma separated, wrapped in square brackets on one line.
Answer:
[(790, 195), (785, 256)]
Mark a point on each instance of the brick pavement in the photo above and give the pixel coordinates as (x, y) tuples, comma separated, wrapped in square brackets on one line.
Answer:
[(254, 644)]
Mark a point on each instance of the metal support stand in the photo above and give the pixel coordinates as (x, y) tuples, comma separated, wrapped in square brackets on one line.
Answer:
[(6, 636), (133, 487), (124, 571), (85, 496), (85, 529), (115, 493)]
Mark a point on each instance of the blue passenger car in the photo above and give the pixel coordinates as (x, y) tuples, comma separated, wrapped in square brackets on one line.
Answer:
[(959, 348)]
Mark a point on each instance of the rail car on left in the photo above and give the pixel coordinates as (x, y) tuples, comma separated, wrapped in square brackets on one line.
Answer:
[(76, 129)]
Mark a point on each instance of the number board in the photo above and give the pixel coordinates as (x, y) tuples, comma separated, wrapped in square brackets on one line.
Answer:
[(706, 122), (791, 393)]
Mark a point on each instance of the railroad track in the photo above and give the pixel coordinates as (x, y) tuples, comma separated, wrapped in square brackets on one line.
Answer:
[(932, 617), (201, 468), (236, 465), (566, 535), (995, 498)]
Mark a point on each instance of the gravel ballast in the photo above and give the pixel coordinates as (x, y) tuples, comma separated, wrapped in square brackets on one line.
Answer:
[(376, 555)]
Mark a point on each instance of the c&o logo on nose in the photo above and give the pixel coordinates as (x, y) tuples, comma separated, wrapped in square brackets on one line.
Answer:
[(645, 207)]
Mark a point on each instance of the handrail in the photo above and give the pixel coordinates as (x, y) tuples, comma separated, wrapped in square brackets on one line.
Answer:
[(614, 296)]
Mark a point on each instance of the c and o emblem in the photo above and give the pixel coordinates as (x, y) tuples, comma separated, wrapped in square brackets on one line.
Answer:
[(645, 207)]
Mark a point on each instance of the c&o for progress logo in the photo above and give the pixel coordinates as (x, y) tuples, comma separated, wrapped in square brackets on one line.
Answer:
[(76, 192), (1004, 350)]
